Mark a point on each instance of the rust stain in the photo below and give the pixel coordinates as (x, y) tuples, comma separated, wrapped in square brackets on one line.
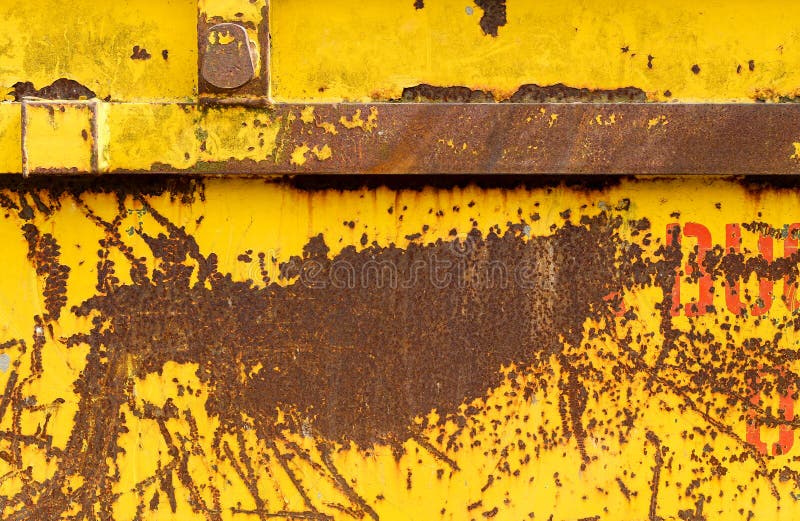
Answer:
[(529, 93), (140, 53), (494, 15), (346, 353), (61, 89), (515, 138), (341, 362), (428, 93)]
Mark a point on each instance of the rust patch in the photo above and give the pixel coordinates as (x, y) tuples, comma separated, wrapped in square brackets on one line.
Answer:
[(383, 361), (494, 15), (44, 251), (349, 355), (531, 93), (429, 93), (253, 91), (140, 53), (61, 89), (563, 94)]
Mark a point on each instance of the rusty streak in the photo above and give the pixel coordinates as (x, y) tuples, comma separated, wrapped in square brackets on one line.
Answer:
[(659, 462)]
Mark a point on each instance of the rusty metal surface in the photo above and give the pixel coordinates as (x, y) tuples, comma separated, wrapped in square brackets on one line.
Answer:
[(458, 350), (252, 27), (229, 59), (238, 136), (241, 136), (518, 138)]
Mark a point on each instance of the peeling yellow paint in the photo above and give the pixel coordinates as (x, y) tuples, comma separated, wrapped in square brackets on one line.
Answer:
[(553, 120), (140, 136), (145, 135), (610, 120), (238, 134), (329, 128), (656, 121), (307, 114), (226, 38), (796, 154), (323, 152), (299, 154), (357, 122)]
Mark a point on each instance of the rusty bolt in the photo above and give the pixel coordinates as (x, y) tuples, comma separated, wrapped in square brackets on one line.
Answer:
[(230, 57)]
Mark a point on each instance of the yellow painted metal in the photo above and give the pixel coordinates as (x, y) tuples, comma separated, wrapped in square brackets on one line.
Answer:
[(93, 43), (62, 136), (10, 138), (353, 50), (232, 216), (348, 50), (144, 136)]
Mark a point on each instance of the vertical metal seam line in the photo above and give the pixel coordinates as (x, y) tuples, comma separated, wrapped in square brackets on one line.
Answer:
[(94, 162), (24, 136)]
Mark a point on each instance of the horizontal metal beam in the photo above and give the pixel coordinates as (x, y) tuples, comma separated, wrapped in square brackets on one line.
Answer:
[(433, 138)]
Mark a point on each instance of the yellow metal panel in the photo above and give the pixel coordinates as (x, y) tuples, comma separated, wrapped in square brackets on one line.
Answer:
[(638, 413), (10, 138), (145, 135), (149, 136), (355, 50), (61, 136), (137, 49)]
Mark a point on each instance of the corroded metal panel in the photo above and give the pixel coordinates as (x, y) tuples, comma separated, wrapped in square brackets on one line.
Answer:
[(246, 87), (228, 349), (425, 138)]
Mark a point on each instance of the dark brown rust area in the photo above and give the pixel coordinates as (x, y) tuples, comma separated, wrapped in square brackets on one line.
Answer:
[(530, 93), (345, 359), (61, 89), (561, 93), (429, 93), (183, 189), (256, 88), (494, 15), (45, 252), (348, 351), (360, 343)]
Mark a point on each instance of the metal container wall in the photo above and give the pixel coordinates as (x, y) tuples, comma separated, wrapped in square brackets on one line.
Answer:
[(201, 333)]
